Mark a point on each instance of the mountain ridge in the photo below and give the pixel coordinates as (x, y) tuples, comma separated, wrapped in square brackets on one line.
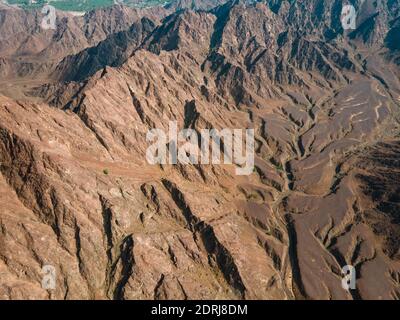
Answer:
[(323, 194)]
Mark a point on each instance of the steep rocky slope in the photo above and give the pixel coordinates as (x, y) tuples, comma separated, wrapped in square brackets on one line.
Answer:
[(112, 51), (29, 53), (78, 194)]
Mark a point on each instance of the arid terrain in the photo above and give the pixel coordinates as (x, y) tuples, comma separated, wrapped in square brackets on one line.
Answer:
[(77, 193)]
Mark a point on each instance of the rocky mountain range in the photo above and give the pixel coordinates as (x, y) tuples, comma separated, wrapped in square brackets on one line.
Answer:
[(77, 192)]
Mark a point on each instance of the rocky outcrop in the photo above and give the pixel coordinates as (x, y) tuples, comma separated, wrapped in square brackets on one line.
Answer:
[(112, 51), (79, 194)]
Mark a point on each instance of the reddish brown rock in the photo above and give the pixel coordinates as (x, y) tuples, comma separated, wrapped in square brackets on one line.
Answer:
[(77, 192)]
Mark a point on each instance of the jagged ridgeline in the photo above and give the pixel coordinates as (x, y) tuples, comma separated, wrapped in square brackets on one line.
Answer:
[(79, 197)]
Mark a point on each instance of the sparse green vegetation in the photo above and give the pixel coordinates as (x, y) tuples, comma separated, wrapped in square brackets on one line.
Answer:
[(252, 196), (276, 164), (105, 171)]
